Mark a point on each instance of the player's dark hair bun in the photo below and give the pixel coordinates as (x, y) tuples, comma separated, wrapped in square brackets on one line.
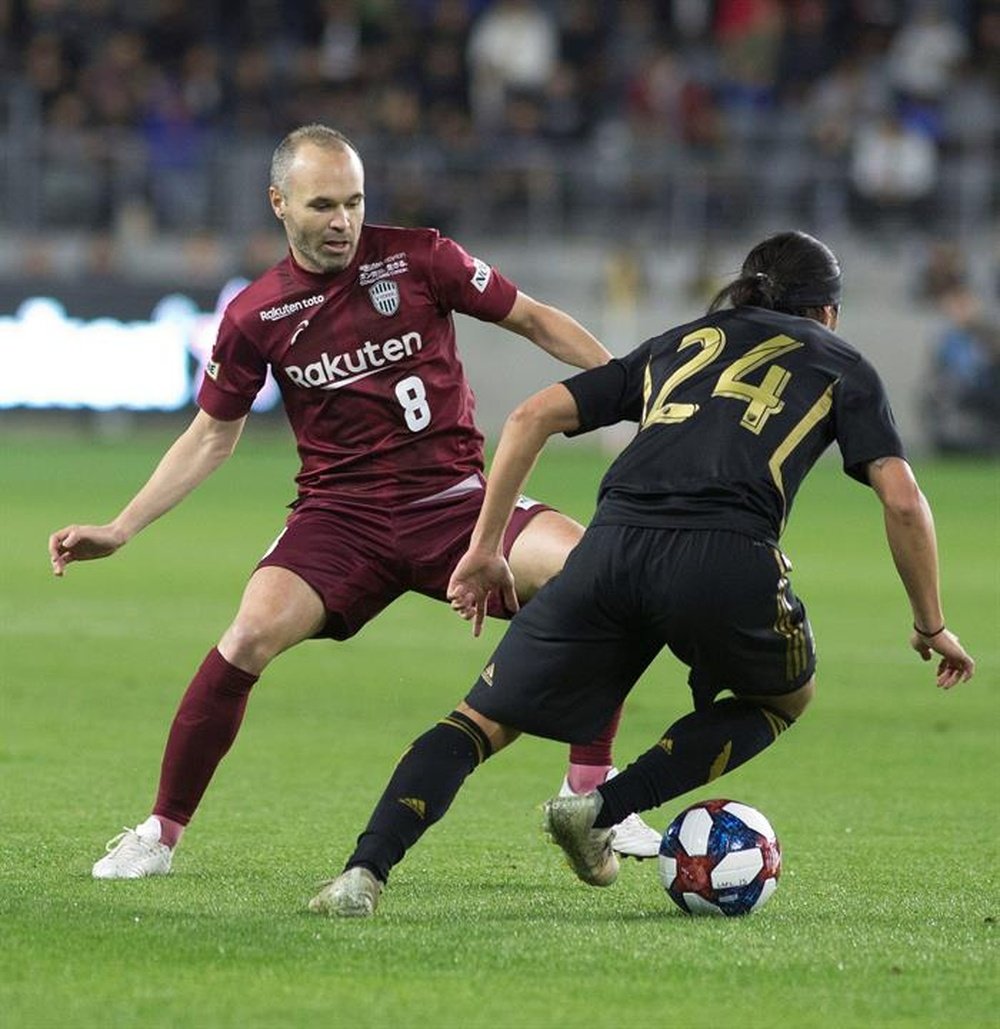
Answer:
[(791, 271)]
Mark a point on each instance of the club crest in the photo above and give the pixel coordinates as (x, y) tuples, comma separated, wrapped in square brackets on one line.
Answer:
[(385, 296)]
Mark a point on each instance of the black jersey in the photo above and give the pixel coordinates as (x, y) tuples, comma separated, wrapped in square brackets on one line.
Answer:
[(733, 411)]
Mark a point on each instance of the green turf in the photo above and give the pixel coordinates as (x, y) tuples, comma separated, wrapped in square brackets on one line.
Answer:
[(885, 796)]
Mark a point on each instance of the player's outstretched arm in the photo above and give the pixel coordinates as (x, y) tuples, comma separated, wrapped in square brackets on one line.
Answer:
[(196, 453), (483, 569), (555, 332), (909, 528)]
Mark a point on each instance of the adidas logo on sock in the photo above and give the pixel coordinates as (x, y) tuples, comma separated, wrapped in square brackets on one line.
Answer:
[(415, 804)]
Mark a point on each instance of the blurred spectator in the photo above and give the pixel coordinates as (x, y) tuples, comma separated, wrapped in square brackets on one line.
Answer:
[(408, 194), (513, 49), (894, 171), (565, 115), (654, 94), (986, 39), (749, 34), (689, 105), (46, 69), (582, 34), (805, 52), (253, 99), (963, 399), (854, 92), (73, 174), (340, 43), (177, 146), (664, 101), (520, 179), (171, 33), (944, 268), (114, 82), (925, 52), (632, 36), (444, 82), (970, 112), (690, 22), (200, 80)]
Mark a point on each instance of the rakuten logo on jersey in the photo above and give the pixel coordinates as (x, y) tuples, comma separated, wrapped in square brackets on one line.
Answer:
[(341, 369), (275, 314)]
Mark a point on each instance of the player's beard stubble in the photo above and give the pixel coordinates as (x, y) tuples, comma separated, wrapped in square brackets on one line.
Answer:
[(315, 252)]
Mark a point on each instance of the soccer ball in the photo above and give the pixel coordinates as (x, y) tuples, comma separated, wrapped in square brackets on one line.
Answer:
[(719, 857)]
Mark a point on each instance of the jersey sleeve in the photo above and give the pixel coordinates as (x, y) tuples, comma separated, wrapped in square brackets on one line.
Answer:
[(863, 420), (611, 393), (234, 374), (466, 284)]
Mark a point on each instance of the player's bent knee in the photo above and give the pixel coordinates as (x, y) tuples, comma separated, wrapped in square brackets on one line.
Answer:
[(791, 705), (248, 647), (795, 703), (277, 611), (251, 643), (498, 735)]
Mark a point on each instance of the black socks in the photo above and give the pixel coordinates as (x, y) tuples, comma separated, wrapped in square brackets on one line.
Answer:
[(695, 750), (421, 790)]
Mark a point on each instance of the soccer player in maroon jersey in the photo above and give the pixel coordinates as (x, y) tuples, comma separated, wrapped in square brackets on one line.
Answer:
[(356, 323)]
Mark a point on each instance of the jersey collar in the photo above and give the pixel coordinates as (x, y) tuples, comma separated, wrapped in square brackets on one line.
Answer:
[(326, 279)]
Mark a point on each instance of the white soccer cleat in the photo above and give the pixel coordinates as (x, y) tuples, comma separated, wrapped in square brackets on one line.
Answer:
[(632, 836), (135, 853), (353, 894), (570, 823)]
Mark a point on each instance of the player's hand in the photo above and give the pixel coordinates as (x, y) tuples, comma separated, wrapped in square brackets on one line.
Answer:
[(81, 543), (955, 665), (476, 577)]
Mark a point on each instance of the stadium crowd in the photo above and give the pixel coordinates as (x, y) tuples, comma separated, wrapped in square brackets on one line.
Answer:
[(133, 134), (868, 110)]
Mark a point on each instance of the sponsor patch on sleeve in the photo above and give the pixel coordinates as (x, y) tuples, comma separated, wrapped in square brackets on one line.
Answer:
[(481, 276), (212, 369)]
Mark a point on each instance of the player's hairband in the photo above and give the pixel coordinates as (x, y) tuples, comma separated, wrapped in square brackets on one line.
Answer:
[(817, 294)]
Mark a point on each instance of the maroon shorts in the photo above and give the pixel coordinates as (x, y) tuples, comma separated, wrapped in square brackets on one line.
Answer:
[(360, 557)]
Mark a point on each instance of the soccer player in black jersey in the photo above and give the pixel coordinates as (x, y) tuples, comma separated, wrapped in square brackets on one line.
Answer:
[(733, 410)]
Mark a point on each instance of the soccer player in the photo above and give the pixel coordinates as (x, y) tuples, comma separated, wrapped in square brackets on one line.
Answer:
[(733, 410), (356, 323)]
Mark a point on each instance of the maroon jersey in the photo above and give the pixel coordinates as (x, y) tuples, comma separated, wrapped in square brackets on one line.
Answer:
[(366, 362)]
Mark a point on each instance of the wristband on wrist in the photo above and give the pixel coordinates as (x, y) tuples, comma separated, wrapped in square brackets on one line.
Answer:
[(928, 635)]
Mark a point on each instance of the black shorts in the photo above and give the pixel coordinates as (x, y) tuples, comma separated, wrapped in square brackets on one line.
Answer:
[(721, 601)]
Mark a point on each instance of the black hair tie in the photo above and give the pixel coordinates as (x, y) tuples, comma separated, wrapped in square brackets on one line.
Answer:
[(928, 635)]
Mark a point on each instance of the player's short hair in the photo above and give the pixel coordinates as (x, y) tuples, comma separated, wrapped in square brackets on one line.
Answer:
[(319, 135), (791, 272)]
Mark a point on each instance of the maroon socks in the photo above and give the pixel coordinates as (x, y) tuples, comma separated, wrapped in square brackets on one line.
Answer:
[(203, 730)]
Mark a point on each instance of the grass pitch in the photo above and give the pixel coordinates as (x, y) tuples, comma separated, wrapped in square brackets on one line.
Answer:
[(884, 796)]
